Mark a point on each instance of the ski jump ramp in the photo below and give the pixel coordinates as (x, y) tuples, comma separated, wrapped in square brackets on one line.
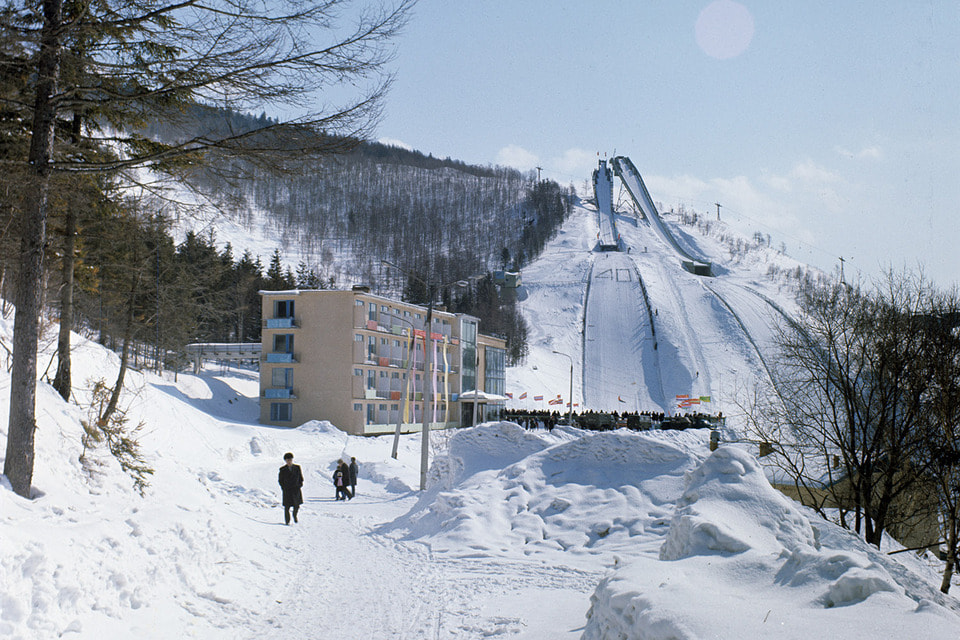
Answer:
[(627, 172), (603, 191), (621, 368)]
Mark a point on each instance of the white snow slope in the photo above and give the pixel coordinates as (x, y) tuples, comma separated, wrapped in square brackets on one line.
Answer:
[(521, 534)]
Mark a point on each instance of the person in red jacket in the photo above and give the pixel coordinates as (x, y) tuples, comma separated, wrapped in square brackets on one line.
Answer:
[(290, 479)]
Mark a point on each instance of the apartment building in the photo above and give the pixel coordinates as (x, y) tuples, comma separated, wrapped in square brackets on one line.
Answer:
[(357, 360)]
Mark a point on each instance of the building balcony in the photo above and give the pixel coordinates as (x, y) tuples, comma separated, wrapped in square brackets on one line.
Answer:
[(279, 393), (281, 323), (281, 357)]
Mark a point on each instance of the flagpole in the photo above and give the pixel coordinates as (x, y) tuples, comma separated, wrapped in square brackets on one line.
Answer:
[(570, 412)]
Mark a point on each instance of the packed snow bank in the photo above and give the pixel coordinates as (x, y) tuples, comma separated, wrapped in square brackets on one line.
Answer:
[(583, 493), (729, 507), (741, 560)]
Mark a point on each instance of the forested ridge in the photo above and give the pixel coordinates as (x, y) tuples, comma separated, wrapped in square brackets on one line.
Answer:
[(438, 220)]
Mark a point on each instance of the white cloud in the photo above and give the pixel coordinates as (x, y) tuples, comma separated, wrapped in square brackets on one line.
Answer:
[(867, 153), (574, 162), (517, 157), (810, 172)]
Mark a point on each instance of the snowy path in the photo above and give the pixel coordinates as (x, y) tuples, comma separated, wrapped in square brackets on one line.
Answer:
[(353, 584), (337, 573)]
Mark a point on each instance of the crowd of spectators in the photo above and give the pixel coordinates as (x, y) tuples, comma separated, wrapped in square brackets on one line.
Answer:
[(605, 421)]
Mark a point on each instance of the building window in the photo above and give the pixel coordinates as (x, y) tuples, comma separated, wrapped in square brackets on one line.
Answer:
[(358, 372), (281, 412), (371, 413), (371, 379), (384, 309), (282, 377), (283, 343), (468, 361), (357, 406), (494, 371), (283, 309), (371, 346), (357, 337), (359, 303), (372, 315)]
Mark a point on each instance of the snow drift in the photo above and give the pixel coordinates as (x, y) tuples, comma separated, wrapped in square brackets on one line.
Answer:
[(742, 560)]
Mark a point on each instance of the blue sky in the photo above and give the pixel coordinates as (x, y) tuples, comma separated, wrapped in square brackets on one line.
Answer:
[(832, 126)]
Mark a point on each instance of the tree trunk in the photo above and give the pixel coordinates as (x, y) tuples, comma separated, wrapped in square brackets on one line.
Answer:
[(62, 381), (951, 557), (18, 466), (124, 354)]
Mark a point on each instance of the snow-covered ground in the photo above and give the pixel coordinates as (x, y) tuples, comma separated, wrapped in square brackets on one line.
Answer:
[(521, 534)]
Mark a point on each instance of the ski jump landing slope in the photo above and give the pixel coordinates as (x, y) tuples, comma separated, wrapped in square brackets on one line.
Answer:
[(620, 365), (625, 169), (603, 190)]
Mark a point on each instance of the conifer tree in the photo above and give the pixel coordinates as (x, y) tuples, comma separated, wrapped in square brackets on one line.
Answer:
[(110, 65)]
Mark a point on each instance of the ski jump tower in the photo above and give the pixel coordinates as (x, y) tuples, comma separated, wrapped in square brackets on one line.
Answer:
[(628, 174), (608, 238)]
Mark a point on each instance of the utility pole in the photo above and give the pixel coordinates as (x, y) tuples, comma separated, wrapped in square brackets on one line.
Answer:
[(427, 366), (428, 396), (841, 268), (718, 209), (538, 173)]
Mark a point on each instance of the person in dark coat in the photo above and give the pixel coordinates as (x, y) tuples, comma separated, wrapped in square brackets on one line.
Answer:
[(290, 479), (340, 479), (353, 477)]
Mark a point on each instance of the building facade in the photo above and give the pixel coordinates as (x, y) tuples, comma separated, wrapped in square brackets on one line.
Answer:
[(357, 360)]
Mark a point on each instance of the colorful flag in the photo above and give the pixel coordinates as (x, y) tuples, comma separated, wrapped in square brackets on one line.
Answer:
[(538, 398), (510, 395), (555, 401), (705, 399), (523, 396), (621, 399), (683, 397)]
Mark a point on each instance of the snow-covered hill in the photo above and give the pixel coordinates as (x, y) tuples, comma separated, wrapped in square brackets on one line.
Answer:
[(640, 329)]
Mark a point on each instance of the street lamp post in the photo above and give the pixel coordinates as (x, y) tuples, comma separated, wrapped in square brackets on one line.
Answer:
[(570, 412)]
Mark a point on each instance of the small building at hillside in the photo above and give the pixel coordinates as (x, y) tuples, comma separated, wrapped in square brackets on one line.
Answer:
[(913, 517), (357, 360)]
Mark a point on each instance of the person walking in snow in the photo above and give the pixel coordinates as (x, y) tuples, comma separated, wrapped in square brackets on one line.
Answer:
[(291, 480), (340, 479), (353, 476)]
